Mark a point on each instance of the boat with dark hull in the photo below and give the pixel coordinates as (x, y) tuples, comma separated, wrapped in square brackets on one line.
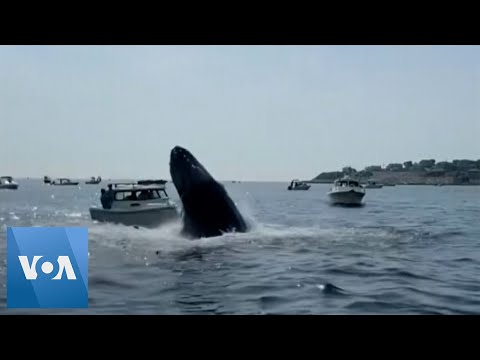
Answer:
[(298, 185), (7, 183)]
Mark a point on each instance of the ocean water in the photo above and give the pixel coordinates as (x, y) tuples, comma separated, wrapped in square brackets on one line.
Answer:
[(409, 250)]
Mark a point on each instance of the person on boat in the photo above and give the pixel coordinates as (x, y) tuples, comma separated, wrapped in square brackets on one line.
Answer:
[(133, 196), (102, 198), (145, 195), (108, 197)]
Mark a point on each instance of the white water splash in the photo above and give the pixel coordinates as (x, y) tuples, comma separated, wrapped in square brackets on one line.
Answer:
[(13, 216), (74, 215)]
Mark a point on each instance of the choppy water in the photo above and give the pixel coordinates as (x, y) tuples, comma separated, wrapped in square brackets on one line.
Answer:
[(409, 250)]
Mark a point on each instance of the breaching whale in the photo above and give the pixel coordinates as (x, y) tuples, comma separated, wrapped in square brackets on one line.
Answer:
[(208, 210)]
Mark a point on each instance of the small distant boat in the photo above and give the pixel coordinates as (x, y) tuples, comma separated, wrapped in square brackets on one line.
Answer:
[(346, 191), (64, 182), (372, 185), (47, 180), (137, 205), (7, 182), (389, 184), (298, 185), (92, 180)]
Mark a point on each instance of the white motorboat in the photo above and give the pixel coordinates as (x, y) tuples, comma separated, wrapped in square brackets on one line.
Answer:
[(132, 204), (63, 182), (7, 182), (94, 181), (298, 185), (346, 191)]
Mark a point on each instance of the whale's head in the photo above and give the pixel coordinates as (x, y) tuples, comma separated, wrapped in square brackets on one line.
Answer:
[(186, 170)]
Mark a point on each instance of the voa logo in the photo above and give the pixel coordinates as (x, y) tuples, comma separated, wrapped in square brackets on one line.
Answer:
[(47, 267), (64, 266)]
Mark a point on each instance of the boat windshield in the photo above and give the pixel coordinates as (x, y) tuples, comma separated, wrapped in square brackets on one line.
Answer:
[(347, 183), (139, 195)]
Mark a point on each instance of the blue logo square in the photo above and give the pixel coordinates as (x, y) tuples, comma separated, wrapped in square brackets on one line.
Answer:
[(47, 267)]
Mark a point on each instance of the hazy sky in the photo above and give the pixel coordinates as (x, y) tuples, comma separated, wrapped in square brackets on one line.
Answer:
[(246, 112)]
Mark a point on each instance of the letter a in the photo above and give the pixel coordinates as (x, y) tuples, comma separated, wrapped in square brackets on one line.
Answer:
[(65, 264)]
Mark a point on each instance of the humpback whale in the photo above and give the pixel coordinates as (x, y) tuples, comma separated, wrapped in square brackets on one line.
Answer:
[(208, 210)]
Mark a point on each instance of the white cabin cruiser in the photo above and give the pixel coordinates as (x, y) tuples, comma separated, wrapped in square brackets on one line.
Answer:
[(94, 181), (132, 204), (7, 182), (64, 182), (298, 185), (346, 191)]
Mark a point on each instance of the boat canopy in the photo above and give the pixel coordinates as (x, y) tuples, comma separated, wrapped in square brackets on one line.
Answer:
[(297, 182), (347, 182), (135, 192), (139, 194), (125, 186), (151, 182)]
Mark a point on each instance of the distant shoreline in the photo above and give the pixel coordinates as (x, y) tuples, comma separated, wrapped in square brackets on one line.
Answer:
[(408, 184), (425, 172), (401, 178)]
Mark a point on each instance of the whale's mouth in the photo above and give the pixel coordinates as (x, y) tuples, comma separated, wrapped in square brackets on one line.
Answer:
[(186, 170)]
